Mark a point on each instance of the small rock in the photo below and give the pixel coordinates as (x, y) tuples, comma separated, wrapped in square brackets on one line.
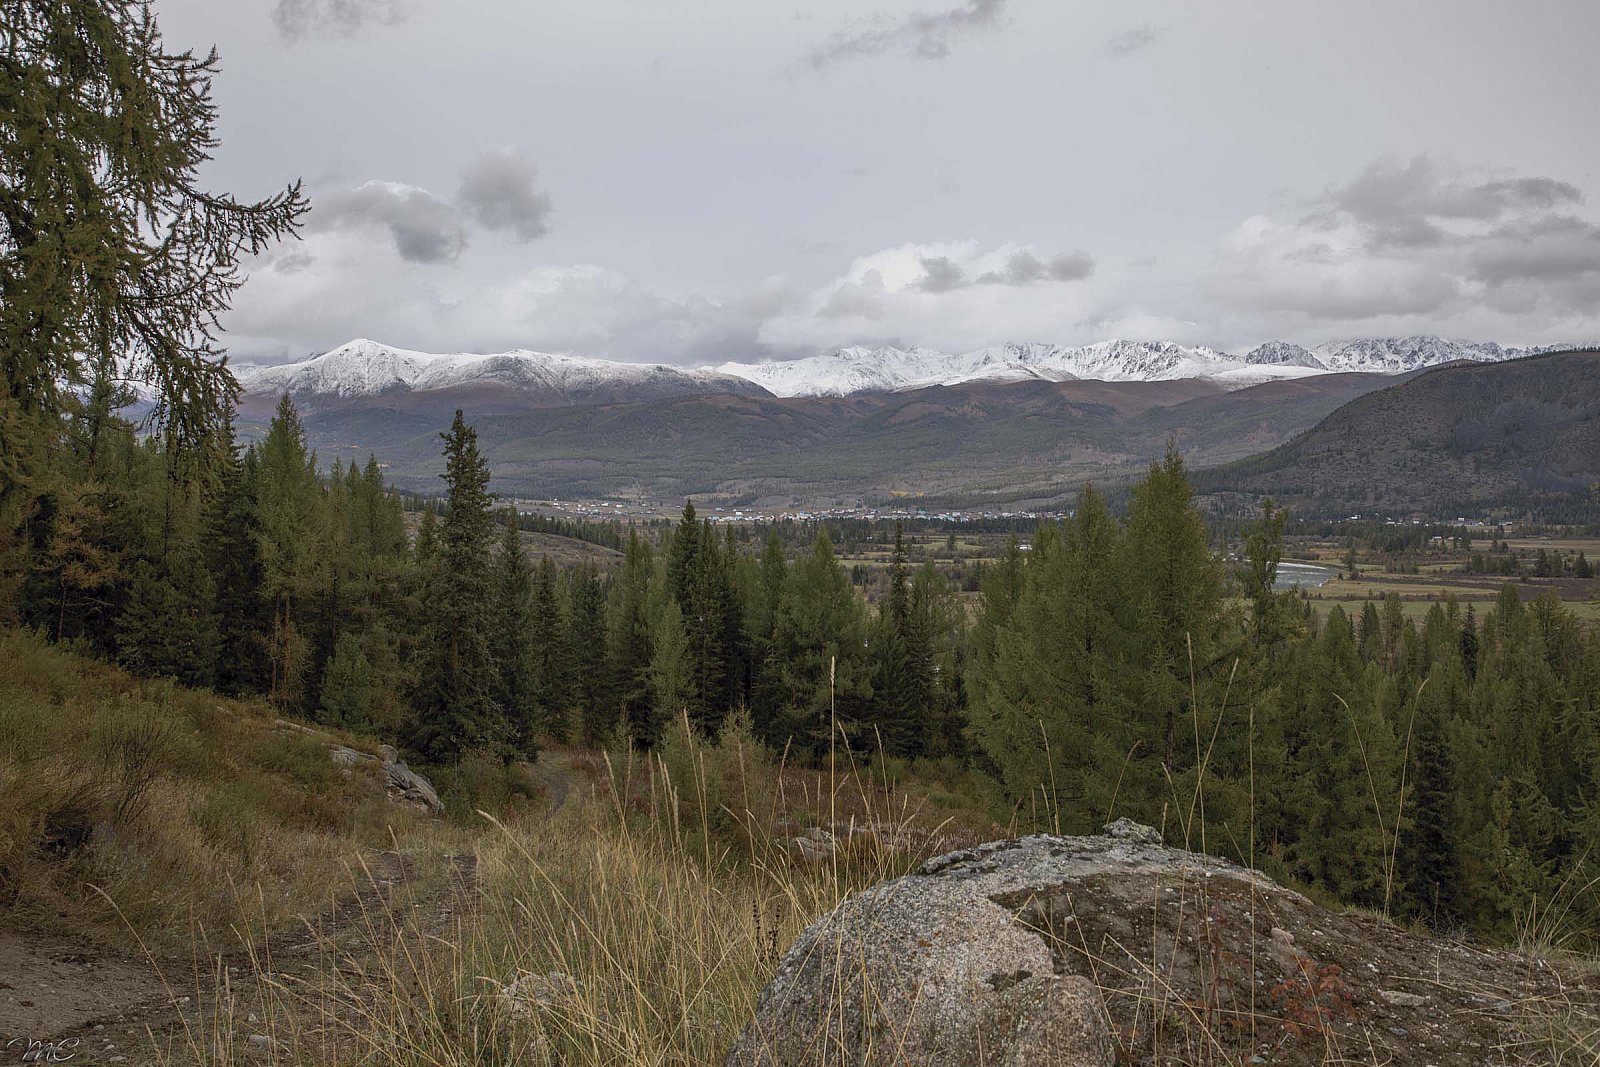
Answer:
[(1281, 936), (1401, 999), (1128, 830), (528, 994)]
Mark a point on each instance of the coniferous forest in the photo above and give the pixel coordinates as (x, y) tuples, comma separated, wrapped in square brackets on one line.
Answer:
[(1445, 770)]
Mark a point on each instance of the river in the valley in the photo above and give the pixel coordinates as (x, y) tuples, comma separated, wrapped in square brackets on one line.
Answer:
[(1304, 575)]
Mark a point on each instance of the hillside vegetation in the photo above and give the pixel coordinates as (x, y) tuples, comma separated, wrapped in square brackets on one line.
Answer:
[(1454, 440), (139, 807)]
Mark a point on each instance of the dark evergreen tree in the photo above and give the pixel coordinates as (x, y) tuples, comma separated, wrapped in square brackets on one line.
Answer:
[(593, 696), (632, 645), (552, 670), (512, 640), (233, 550), (455, 705), (346, 689)]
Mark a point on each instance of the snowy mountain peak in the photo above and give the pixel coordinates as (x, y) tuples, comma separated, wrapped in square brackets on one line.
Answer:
[(1394, 355), (1282, 354)]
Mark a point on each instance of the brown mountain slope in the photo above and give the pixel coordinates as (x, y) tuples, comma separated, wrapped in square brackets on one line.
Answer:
[(1027, 440)]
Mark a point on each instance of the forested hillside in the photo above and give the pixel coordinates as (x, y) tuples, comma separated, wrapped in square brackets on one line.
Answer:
[(1524, 435)]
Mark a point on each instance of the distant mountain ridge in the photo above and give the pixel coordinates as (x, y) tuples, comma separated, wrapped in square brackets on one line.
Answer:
[(363, 369), (851, 370)]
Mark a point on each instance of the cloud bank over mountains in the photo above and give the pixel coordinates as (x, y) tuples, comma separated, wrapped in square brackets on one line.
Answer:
[(1404, 246)]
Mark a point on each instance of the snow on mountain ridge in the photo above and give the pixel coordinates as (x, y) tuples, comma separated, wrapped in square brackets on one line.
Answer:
[(364, 368), (847, 370)]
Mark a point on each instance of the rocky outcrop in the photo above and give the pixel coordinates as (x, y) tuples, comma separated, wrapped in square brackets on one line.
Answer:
[(1084, 951), (404, 785)]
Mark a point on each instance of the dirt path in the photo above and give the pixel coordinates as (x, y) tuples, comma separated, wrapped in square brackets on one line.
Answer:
[(121, 1006)]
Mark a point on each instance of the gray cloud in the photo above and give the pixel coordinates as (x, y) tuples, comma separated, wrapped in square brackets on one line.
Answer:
[(1408, 204), (1418, 238), (425, 229), (1130, 41), (940, 274), (1025, 268), (299, 19), (923, 35), (498, 190)]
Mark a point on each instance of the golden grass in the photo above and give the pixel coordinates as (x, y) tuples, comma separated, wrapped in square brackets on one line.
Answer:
[(179, 808)]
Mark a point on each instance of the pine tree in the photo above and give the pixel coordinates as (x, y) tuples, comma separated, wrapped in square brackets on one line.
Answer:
[(1173, 609), (821, 675), (1263, 551), (669, 667), (632, 645), (1432, 864), (427, 543), (455, 705), (593, 698)]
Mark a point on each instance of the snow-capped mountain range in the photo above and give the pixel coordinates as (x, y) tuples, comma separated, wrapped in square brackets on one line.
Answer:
[(855, 369), (364, 368)]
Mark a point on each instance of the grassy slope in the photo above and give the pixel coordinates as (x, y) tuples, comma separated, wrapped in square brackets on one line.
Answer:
[(182, 807)]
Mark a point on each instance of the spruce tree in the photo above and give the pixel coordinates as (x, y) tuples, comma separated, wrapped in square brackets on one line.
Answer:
[(455, 705), (512, 640), (347, 686), (593, 697), (233, 548), (632, 645), (551, 653)]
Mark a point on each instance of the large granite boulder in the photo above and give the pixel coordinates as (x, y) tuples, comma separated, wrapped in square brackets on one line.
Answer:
[(1084, 951)]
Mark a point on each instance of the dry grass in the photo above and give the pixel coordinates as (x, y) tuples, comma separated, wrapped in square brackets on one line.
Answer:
[(175, 807)]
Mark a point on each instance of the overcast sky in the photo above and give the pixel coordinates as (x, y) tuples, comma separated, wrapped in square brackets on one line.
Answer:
[(691, 181)]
